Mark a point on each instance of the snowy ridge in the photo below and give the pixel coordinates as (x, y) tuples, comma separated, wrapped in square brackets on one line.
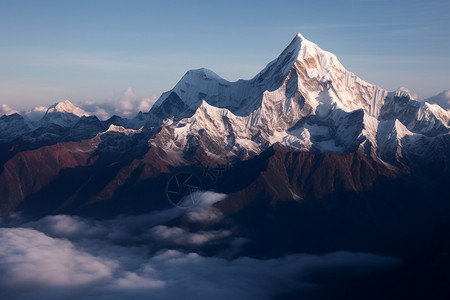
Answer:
[(304, 99), (121, 129), (323, 81)]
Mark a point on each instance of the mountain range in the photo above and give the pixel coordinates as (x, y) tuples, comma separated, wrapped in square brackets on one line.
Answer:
[(303, 148)]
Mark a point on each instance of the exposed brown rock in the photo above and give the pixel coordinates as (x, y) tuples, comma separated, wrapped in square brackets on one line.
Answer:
[(28, 171)]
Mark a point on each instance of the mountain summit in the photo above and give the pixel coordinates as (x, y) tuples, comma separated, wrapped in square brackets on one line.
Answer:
[(316, 74), (66, 107), (64, 114), (305, 99)]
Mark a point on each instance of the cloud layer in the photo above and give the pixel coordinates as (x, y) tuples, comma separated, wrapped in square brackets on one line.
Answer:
[(36, 266), (127, 105), (442, 99), (148, 257)]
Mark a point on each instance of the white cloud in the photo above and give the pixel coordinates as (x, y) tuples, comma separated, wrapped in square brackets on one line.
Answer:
[(411, 94), (6, 110), (442, 99), (132, 280), (204, 211), (101, 113), (146, 104), (30, 258), (126, 105), (36, 266), (177, 236), (148, 256), (36, 113), (70, 227)]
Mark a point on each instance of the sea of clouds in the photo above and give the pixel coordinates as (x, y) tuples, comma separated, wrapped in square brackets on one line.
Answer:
[(148, 257)]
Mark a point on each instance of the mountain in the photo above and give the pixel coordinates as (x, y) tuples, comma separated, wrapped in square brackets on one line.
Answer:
[(305, 100), (63, 114), (303, 148), (316, 74), (305, 159)]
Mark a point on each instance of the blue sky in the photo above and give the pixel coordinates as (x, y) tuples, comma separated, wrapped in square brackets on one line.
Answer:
[(96, 50)]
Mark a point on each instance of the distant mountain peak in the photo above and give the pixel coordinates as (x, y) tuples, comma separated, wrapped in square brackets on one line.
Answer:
[(67, 107), (64, 114)]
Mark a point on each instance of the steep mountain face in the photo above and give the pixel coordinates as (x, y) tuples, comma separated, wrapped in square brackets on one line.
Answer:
[(302, 68), (347, 135), (306, 100)]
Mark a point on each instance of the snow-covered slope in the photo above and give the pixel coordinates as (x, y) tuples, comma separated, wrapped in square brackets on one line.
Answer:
[(64, 114), (305, 99), (316, 74), (419, 117)]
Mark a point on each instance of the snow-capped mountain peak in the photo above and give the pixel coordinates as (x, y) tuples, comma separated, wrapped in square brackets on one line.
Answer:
[(315, 74), (304, 99), (67, 107), (303, 51), (309, 49), (63, 114)]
